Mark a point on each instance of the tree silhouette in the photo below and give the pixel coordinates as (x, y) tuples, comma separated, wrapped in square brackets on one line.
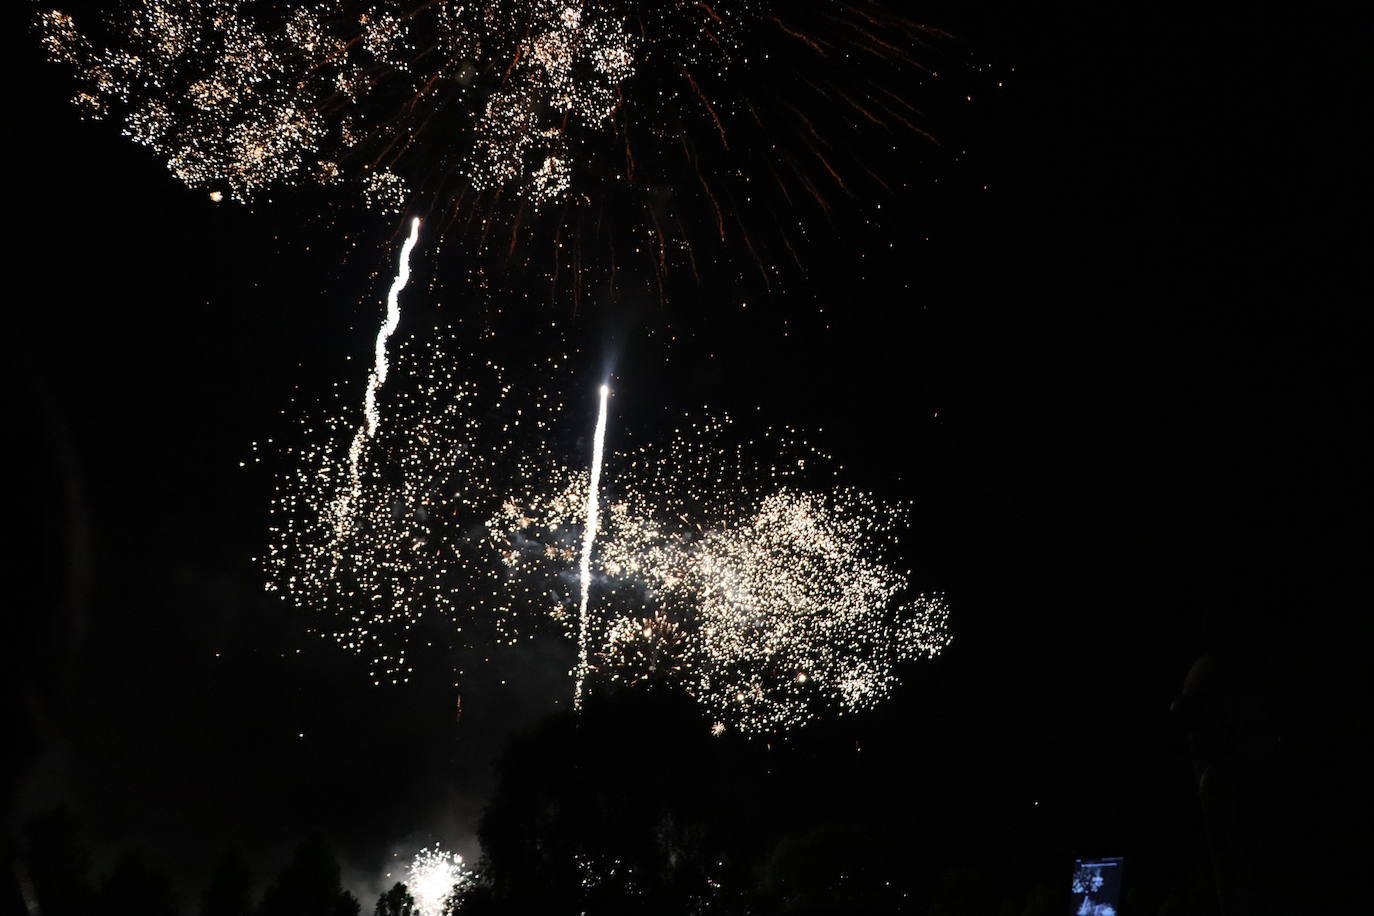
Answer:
[(396, 902), (627, 808), (230, 891), (135, 888), (474, 898), (309, 886), (633, 806), (58, 864)]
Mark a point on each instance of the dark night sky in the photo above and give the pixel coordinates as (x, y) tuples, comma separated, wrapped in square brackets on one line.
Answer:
[(1126, 387)]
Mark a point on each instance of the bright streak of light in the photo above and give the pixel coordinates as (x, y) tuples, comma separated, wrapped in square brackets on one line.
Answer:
[(588, 541), (376, 379), (393, 318)]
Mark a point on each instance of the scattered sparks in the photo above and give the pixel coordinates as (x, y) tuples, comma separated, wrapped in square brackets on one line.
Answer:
[(416, 562)]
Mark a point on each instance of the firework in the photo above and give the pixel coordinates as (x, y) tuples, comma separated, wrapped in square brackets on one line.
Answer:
[(742, 572), (433, 878), (771, 597), (595, 134), (590, 523), (646, 650), (244, 96)]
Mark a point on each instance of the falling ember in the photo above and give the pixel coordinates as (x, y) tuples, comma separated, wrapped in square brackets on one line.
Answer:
[(376, 379), (433, 878), (588, 540)]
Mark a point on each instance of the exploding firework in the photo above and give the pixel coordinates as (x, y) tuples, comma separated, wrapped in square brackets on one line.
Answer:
[(772, 599), (433, 879), (601, 136), (647, 650)]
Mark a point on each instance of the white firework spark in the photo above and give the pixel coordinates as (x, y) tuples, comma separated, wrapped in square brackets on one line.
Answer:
[(590, 524)]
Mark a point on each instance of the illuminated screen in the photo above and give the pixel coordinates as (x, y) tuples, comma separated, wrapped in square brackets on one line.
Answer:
[(1096, 887)]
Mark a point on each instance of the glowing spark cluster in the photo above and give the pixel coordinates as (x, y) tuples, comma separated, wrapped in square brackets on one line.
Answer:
[(228, 103), (571, 64), (433, 877)]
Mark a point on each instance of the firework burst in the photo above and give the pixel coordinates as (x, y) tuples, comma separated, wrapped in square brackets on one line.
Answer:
[(648, 650), (588, 139), (772, 598)]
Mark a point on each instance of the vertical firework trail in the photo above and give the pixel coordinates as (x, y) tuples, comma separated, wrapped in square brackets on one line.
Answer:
[(372, 418), (588, 539)]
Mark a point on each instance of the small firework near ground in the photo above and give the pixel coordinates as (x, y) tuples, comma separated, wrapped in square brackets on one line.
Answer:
[(434, 877)]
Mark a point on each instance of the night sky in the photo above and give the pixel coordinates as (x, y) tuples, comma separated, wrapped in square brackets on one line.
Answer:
[(1111, 342)]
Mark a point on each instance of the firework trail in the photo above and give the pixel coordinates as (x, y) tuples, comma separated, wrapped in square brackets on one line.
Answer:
[(376, 379), (588, 540), (393, 318)]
